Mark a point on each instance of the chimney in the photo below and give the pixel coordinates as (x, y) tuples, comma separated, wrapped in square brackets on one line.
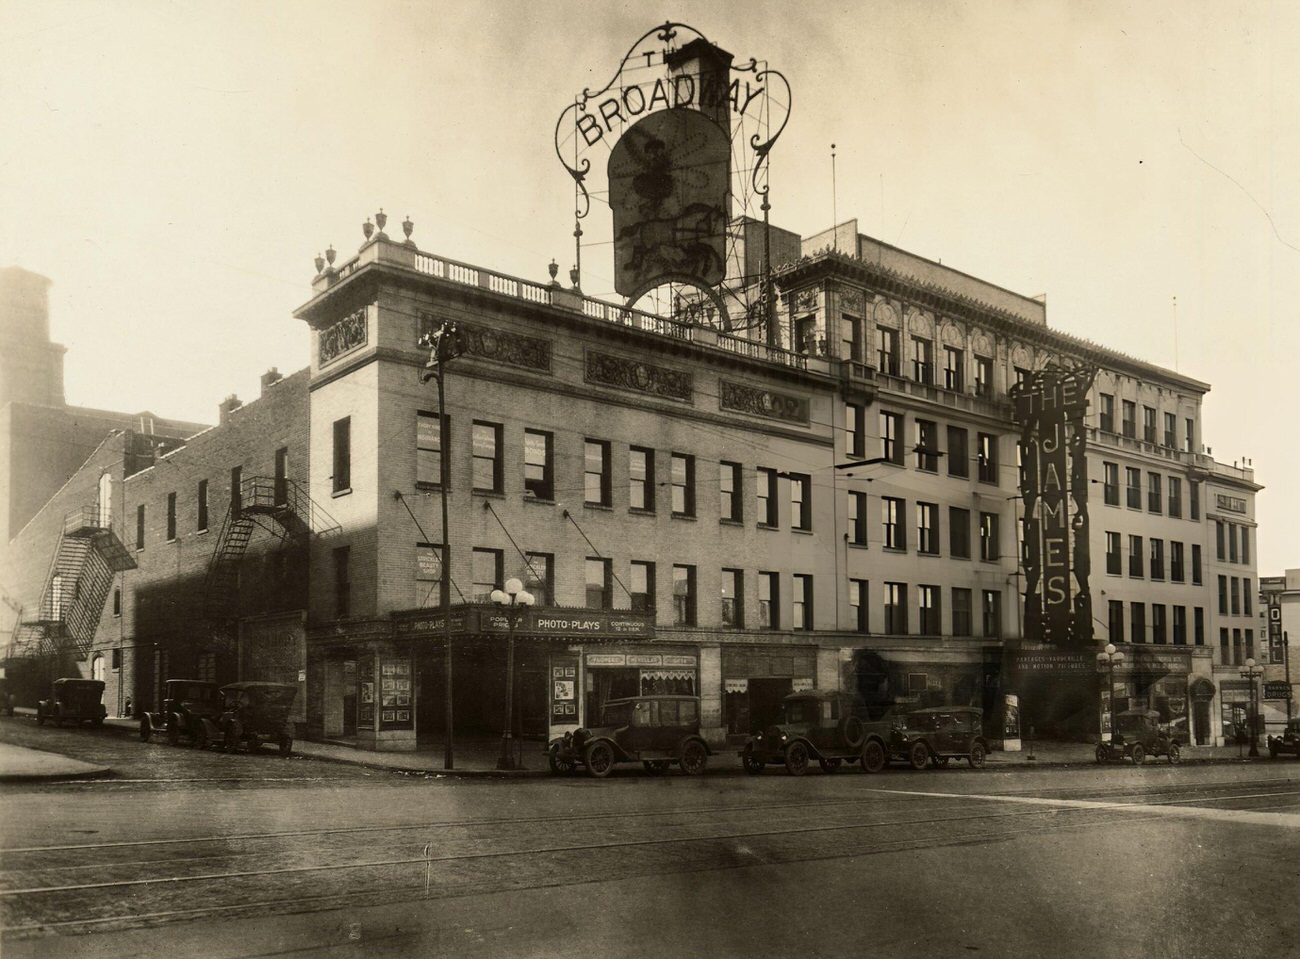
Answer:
[(228, 406), (271, 377)]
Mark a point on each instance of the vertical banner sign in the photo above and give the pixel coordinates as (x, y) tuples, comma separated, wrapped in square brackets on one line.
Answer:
[(1275, 651), (1050, 406)]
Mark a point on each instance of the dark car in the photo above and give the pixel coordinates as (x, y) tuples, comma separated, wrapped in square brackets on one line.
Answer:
[(253, 714), (657, 731), (1138, 734), (830, 727), (185, 703), (73, 701), (936, 735), (1288, 742)]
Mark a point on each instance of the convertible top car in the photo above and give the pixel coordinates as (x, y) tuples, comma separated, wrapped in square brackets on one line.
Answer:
[(73, 701)]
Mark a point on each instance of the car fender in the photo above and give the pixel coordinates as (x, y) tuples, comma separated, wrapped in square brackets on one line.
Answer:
[(210, 727), (620, 754)]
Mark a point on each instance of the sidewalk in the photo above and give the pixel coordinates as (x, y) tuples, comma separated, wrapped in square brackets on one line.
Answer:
[(19, 762)]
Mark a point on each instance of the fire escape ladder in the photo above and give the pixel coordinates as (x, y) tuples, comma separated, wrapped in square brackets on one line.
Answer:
[(223, 572)]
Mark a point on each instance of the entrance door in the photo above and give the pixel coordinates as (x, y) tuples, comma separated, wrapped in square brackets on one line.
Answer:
[(765, 697), (350, 697)]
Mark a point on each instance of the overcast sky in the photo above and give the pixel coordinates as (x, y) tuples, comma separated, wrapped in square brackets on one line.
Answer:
[(175, 167)]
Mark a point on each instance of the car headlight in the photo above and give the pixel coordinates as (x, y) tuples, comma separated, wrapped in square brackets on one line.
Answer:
[(758, 738), (784, 737)]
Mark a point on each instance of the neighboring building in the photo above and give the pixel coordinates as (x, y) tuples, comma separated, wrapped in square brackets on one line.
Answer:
[(1279, 617)]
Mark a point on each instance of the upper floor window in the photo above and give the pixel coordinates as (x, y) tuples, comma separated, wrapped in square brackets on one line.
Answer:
[(731, 503), (1107, 412), (922, 361), (983, 376), (428, 574), (887, 353), (599, 579), (855, 439), (1153, 492), (171, 516), (489, 467), (958, 452), (1193, 500), (539, 465), (683, 484), (1189, 433), (1171, 430), (643, 587), (1134, 482), (641, 478), (733, 598), (989, 536), (1114, 563), (1175, 497), (1135, 556), (988, 458), (958, 532), (928, 601), (992, 613), (139, 528), (428, 450), (1110, 483), (801, 602), (895, 534), (954, 369), (895, 609), (538, 575), (927, 446), (201, 523), (927, 528), (487, 574), (343, 455), (767, 496), (684, 595), (891, 436), (1148, 424), (800, 501), (858, 518), (769, 600), (851, 339), (282, 476), (1129, 424)]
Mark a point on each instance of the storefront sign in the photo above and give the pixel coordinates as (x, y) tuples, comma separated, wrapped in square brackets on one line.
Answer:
[(1230, 504), (1054, 662), (679, 661), (635, 660), (1277, 690), (481, 619), (736, 685), (606, 659), (801, 685), (429, 621)]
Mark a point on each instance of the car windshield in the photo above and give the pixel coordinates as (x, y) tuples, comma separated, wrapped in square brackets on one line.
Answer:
[(616, 714), (89, 692), (197, 693), (1132, 724), (1294, 726), (799, 711)]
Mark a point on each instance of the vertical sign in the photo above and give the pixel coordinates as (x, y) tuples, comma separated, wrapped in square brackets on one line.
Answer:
[(1275, 651), (1050, 405), (564, 690), (366, 692)]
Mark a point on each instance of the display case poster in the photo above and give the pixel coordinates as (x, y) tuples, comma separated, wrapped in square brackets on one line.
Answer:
[(564, 690), (365, 692), (395, 694)]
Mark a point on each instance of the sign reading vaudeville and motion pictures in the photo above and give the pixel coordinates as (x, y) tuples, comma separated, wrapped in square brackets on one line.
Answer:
[(1050, 405)]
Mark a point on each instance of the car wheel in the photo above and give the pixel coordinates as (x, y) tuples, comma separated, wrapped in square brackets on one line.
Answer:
[(939, 762), (1175, 754), (853, 732), (873, 756), (796, 759), (599, 758), (695, 758), (656, 767), (286, 746), (173, 734), (829, 765), (918, 755), (201, 737), (146, 730), (230, 740), (753, 765), (1139, 755), (559, 767), (1102, 755), (976, 757)]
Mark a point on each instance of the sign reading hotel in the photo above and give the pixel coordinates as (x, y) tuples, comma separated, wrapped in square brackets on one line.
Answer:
[(663, 130), (1050, 405)]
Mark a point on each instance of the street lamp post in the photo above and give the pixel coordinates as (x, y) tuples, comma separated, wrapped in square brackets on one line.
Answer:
[(1110, 657), (515, 599), (1251, 673)]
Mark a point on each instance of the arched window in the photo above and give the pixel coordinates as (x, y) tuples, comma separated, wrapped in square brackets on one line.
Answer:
[(105, 504), (97, 667)]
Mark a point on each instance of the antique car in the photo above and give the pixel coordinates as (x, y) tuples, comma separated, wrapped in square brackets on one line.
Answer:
[(185, 703), (73, 701), (936, 735), (830, 727), (1138, 734), (1288, 742), (253, 714), (657, 731)]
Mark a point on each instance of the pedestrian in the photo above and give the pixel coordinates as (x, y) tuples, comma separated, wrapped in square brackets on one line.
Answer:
[(126, 708)]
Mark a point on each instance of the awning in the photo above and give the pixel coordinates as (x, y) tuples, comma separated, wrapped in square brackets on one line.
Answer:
[(667, 674)]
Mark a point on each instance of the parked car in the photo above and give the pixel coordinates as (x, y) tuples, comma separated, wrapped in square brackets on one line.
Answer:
[(657, 731), (1288, 742), (185, 703), (830, 727), (1138, 734), (73, 701), (939, 734), (252, 715)]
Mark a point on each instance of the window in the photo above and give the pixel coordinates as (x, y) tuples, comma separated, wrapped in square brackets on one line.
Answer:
[(891, 437), (1245, 597), (858, 519), (731, 503), (683, 595), (1115, 621), (989, 548), (139, 526), (489, 462), (539, 466), (891, 510), (1219, 550), (733, 598), (851, 339), (1189, 427), (1223, 596), (922, 361), (1157, 558), (1245, 545), (117, 611), (983, 376), (958, 452), (1175, 498), (896, 609), (1194, 500), (682, 476), (1198, 625), (858, 606), (992, 606), (538, 575), (769, 600), (599, 580), (927, 598), (855, 439), (201, 523), (1153, 493), (1232, 542), (1148, 424), (927, 528), (961, 612), (1135, 557), (1171, 430), (282, 476), (988, 458), (643, 587), (342, 455), (428, 574), (1107, 412), (1113, 562), (1196, 564), (1110, 483), (1180, 625), (1138, 619), (927, 446), (954, 369), (767, 497), (1129, 424), (805, 335), (801, 602), (236, 491), (1021, 374), (342, 580), (1134, 479), (171, 517), (1176, 569), (487, 574), (958, 532), (800, 501), (641, 478), (887, 354)]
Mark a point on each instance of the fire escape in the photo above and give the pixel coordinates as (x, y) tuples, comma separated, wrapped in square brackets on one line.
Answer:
[(276, 504), (89, 554)]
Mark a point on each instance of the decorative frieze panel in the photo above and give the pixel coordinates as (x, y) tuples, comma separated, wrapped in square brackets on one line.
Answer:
[(528, 352), (348, 334), (622, 373), (805, 301), (853, 302), (740, 398)]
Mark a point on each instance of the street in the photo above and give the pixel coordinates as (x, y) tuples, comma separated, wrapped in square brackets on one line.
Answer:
[(186, 853)]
